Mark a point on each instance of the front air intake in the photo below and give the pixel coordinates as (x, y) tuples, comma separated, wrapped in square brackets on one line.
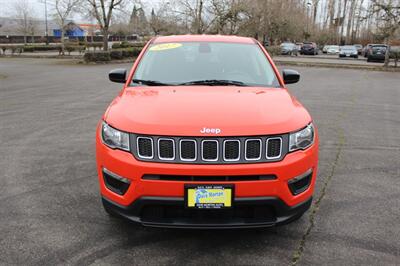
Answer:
[(115, 183), (300, 183)]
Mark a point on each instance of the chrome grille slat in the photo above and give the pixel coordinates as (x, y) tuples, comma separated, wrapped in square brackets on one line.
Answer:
[(145, 147), (274, 148), (230, 151), (187, 153), (253, 149), (166, 149), (209, 150)]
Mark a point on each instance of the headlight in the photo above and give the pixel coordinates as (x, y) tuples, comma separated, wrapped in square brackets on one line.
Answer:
[(113, 138), (302, 139)]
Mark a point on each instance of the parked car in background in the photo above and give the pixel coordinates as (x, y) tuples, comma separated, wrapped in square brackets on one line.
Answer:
[(299, 45), (366, 49), (309, 48), (377, 53), (288, 48), (359, 48), (333, 49), (325, 49), (348, 51)]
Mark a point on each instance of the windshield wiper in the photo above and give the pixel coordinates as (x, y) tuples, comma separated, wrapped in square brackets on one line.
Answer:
[(150, 82), (214, 82)]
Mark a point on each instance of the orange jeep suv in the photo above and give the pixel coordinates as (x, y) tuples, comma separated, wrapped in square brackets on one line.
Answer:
[(204, 134)]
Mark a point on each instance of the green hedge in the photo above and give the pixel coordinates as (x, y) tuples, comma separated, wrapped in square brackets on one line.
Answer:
[(75, 48), (273, 50), (394, 53), (99, 56), (12, 48), (39, 48), (127, 45), (125, 53)]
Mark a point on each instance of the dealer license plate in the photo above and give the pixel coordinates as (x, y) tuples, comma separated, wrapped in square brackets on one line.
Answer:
[(209, 196)]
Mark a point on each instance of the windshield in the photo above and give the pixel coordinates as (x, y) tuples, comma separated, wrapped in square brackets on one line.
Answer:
[(348, 48), (187, 62)]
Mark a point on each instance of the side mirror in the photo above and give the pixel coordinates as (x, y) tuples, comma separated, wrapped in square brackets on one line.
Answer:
[(117, 75), (290, 76)]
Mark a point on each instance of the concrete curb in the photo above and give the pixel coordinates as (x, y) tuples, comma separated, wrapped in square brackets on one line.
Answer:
[(43, 56)]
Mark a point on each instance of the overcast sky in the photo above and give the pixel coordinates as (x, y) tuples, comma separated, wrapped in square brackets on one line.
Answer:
[(6, 8)]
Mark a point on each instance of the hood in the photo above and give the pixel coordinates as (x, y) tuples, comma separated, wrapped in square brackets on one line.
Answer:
[(197, 110)]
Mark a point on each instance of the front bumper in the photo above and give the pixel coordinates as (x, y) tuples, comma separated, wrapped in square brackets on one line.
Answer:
[(274, 195), (308, 52), (375, 57), (246, 213), (348, 55)]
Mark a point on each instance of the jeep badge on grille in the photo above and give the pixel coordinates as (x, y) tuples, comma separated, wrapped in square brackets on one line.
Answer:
[(207, 130)]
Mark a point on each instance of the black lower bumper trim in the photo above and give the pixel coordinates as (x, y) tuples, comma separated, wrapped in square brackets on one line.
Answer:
[(246, 213)]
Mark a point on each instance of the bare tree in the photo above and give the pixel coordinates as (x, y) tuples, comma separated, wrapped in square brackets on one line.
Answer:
[(225, 15), (194, 11), (357, 22), (342, 20), (63, 10), (315, 9), (102, 11), (159, 18), (23, 12)]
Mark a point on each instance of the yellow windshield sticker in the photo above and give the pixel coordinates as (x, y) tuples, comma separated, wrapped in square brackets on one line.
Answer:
[(165, 46)]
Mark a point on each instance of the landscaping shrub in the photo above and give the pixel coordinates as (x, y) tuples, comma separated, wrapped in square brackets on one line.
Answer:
[(116, 46), (81, 49), (17, 49), (131, 52), (94, 45), (70, 49), (395, 54), (40, 48), (12, 48), (74, 48), (273, 50), (125, 53), (116, 54), (125, 44), (100, 56), (29, 49)]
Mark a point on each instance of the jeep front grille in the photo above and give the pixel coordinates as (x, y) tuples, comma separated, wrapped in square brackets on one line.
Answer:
[(209, 150)]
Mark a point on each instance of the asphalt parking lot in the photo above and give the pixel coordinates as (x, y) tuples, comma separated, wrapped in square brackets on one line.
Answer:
[(50, 209)]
